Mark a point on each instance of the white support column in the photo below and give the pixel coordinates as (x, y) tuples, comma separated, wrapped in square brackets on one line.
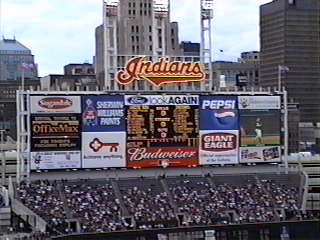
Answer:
[(286, 136), (18, 136)]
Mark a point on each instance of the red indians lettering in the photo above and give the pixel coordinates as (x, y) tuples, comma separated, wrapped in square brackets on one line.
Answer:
[(160, 72), (139, 154)]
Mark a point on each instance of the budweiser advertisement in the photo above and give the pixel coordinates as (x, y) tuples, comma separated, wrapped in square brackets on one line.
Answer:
[(55, 160), (103, 149), (219, 147), (55, 104), (260, 154), (163, 71), (162, 157)]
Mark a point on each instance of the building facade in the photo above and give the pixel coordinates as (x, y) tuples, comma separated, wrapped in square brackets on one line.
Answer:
[(77, 76), (131, 28), (289, 35), (13, 55), (226, 74), (134, 28)]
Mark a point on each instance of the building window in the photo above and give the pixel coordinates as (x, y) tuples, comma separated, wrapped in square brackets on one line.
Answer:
[(150, 28)]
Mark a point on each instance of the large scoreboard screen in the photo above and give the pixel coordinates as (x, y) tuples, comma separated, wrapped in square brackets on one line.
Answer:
[(158, 124), (155, 125)]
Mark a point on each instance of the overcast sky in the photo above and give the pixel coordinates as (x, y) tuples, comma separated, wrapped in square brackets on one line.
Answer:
[(60, 32)]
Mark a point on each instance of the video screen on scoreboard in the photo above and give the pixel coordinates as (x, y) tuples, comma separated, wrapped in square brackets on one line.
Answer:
[(162, 128)]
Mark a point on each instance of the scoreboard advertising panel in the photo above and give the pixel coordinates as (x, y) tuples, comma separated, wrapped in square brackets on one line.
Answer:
[(137, 131), (55, 132), (260, 125), (162, 130), (103, 136), (219, 135)]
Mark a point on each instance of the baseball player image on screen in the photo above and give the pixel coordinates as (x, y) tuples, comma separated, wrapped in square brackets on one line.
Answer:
[(258, 131)]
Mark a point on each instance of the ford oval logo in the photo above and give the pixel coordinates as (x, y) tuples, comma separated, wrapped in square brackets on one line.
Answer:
[(137, 100)]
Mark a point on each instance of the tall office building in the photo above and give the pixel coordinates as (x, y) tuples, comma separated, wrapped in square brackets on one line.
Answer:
[(12, 55), (131, 28), (290, 36)]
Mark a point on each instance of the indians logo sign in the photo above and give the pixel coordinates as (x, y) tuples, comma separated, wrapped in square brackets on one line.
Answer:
[(161, 72)]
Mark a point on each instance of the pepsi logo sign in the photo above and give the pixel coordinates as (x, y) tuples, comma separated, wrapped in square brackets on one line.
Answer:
[(137, 100), (218, 104), (54, 103), (219, 142)]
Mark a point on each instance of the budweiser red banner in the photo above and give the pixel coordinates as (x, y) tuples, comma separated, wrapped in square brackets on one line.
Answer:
[(161, 72), (162, 157)]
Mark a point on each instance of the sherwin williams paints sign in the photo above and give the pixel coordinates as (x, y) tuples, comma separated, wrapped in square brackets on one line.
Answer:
[(219, 135), (103, 114)]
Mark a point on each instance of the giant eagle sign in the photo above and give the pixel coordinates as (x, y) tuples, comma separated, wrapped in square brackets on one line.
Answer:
[(161, 72)]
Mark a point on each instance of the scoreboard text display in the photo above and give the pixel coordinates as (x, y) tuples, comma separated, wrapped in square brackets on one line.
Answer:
[(162, 130), (141, 131)]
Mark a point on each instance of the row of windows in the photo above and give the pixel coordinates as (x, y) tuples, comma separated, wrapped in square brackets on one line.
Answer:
[(136, 28)]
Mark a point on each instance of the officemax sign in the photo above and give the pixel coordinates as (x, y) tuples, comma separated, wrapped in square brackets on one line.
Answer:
[(161, 72)]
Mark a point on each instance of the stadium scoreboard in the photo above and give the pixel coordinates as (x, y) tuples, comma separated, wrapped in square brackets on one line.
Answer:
[(137, 131)]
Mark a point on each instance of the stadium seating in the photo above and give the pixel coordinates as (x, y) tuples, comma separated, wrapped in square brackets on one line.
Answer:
[(148, 203)]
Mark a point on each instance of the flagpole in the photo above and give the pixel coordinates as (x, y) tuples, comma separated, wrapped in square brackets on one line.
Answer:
[(279, 77)]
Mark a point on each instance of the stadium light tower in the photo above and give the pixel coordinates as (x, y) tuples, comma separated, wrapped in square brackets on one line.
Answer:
[(206, 16), (110, 13)]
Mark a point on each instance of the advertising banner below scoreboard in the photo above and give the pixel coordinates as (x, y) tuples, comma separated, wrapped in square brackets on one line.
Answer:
[(103, 149), (260, 154), (162, 157), (55, 160), (219, 147)]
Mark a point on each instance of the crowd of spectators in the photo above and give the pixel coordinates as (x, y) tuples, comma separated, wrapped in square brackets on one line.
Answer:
[(43, 198), (150, 207), (95, 205), (190, 201)]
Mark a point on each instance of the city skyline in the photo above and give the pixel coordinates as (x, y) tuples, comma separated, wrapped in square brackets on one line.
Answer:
[(57, 37)]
